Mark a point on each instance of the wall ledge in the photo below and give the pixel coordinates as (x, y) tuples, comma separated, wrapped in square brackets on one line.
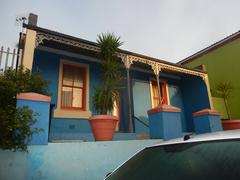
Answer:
[(206, 112), (31, 96), (163, 108), (74, 114)]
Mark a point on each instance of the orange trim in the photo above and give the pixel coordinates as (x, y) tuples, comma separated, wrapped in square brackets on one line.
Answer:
[(31, 96), (206, 111), (164, 108), (163, 90)]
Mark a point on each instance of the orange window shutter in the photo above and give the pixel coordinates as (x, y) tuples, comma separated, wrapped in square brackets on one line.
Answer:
[(164, 93)]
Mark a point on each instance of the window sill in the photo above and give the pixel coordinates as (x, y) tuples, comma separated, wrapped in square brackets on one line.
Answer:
[(63, 113)]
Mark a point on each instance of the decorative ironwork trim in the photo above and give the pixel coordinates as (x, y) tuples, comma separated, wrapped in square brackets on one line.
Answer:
[(128, 60), (42, 36)]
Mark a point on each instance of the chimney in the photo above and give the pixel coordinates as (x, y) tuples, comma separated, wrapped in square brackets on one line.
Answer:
[(32, 19)]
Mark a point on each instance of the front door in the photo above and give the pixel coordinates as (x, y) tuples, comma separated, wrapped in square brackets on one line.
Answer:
[(141, 103)]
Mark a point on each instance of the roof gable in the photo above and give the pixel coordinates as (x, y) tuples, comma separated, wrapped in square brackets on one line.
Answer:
[(210, 48)]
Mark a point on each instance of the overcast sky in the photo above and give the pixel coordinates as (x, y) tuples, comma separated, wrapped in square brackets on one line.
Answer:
[(165, 29)]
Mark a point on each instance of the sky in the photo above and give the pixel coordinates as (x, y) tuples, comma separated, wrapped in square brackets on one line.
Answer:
[(170, 30)]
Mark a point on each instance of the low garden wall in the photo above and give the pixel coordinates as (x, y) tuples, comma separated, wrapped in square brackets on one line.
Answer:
[(76, 160)]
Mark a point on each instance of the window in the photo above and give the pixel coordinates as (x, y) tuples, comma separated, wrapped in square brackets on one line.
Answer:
[(154, 93), (73, 87), (73, 91)]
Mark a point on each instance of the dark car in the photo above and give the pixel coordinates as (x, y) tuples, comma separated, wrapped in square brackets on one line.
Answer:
[(212, 156)]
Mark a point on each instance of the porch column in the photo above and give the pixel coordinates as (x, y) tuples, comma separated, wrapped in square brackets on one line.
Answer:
[(29, 48), (127, 64), (205, 78), (157, 68)]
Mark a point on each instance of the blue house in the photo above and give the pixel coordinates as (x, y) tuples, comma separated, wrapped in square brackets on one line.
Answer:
[(73, 67)]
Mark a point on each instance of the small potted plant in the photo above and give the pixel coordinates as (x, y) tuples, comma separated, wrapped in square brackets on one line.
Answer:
[(103, 125)]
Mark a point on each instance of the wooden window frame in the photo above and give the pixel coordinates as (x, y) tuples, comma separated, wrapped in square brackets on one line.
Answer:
[(83, 73), (164, 93), (153, 83), (73, 113)]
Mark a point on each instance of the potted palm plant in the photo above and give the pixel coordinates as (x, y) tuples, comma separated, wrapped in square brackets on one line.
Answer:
[(224, 90), (103, 125)]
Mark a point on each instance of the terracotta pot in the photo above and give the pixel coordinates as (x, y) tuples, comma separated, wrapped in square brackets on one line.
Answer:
[(103, 127), (231, 124)]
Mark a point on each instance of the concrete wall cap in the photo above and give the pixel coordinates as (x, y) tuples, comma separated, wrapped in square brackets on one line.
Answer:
[(164, 108), (31, 96), (206, 112)]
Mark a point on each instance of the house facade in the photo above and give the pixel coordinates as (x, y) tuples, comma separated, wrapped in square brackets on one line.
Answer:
[(221, 61), (72, 66)]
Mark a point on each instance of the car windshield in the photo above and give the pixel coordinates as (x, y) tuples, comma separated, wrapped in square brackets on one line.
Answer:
[(219, 159)]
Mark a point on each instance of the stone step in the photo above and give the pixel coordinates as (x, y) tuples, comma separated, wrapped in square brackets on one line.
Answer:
[(143, 136)]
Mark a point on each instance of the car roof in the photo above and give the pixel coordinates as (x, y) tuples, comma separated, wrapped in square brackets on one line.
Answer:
[(219, 135)]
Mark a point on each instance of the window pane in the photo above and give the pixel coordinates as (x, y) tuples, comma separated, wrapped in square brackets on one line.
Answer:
[(77, 98), (164, 93), (155, 102), (66, 96), (67, 76), (78, 79)]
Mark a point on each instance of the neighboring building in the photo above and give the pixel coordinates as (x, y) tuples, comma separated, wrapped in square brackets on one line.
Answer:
[(222, 62), (73, 67)]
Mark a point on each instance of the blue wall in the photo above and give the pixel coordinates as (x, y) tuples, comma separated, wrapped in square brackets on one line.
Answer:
[(176, 99), (42, 119), (142, 98), (195, 98), (165, 125), (207, 123), (88, 160), (48, 64)]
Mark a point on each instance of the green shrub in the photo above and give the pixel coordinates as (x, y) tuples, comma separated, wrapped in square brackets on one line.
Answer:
[(15, 123)]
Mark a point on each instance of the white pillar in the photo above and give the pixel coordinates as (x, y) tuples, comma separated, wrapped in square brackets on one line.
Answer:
[(208, 91), (29, 48), (157, 68)]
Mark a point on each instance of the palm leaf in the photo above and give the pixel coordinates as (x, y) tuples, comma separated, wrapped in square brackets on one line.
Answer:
[(106, 94)]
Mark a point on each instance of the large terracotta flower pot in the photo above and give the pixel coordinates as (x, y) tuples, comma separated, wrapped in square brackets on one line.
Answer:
[(231, 124), (103, 127)]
